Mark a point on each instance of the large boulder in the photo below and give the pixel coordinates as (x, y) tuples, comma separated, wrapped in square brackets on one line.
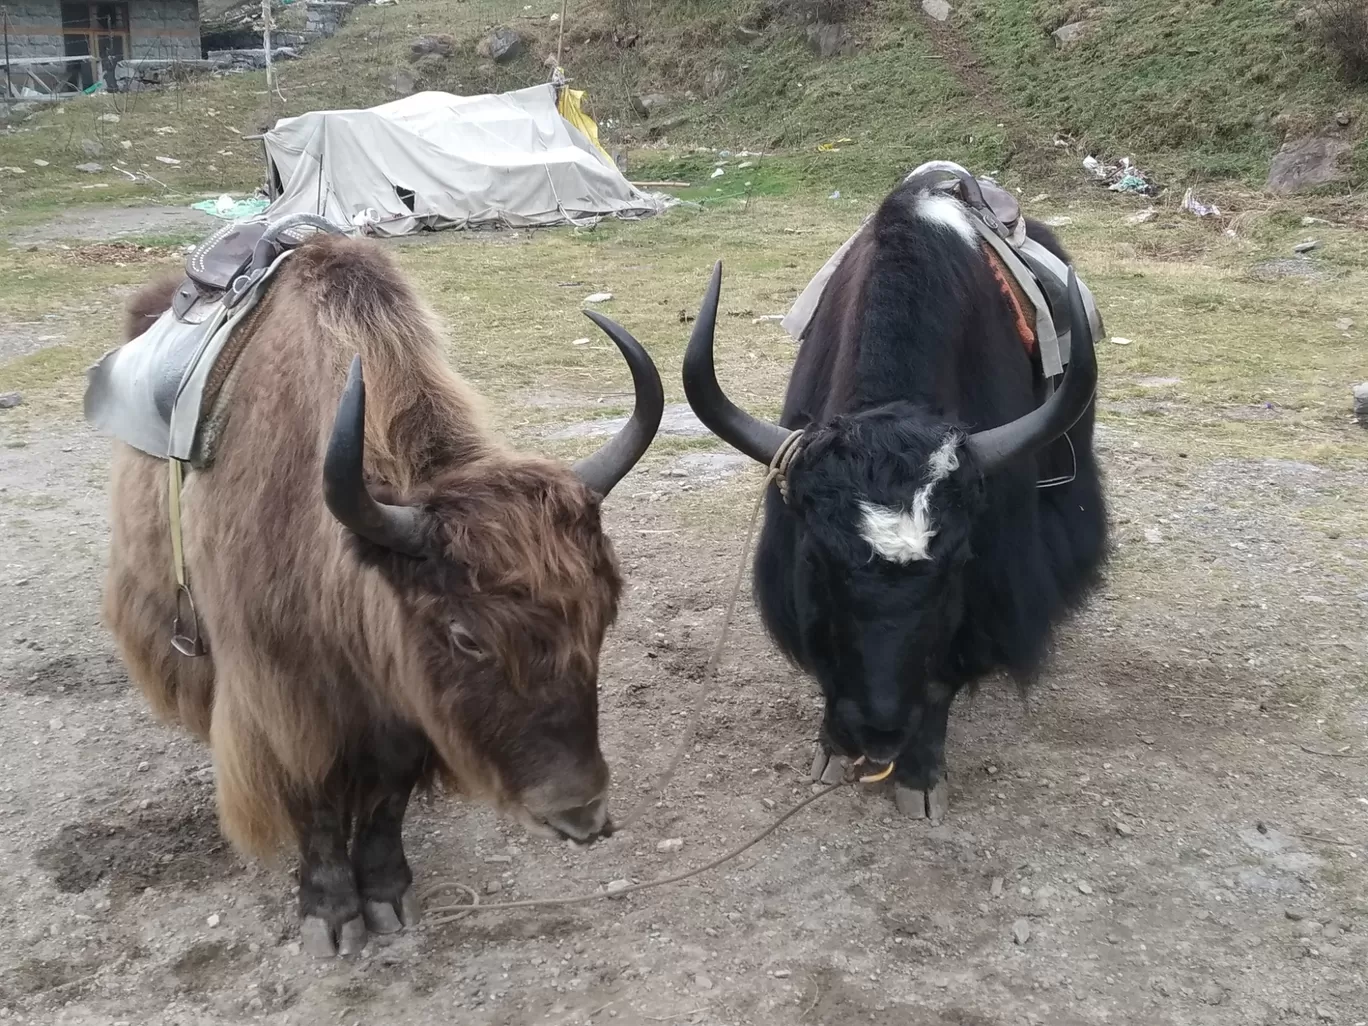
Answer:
[(440, 45), (1303, 164), (828, 40), (501, 46), (1067, 35)]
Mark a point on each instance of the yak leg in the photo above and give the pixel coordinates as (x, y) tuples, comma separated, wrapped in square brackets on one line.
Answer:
[(329, 904), (919, 786), (383, 876)]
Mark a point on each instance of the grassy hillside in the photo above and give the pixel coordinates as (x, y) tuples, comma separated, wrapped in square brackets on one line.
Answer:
[(1196, 90)]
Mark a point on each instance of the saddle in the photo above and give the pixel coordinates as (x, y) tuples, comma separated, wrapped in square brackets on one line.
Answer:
[(160, 392)]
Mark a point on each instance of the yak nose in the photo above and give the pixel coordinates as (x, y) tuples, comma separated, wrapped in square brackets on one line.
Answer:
[(877, 733), (584, 822)]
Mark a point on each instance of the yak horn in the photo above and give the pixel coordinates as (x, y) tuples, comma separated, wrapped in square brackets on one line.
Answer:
[(756, 438), (997, 447), (344, 486), (605, 468)]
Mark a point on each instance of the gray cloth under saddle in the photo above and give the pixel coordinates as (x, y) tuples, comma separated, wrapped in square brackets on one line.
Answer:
[(996, 216), (160, 391)]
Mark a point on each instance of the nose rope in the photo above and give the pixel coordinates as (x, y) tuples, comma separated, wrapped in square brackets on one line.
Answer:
[(444, 914)]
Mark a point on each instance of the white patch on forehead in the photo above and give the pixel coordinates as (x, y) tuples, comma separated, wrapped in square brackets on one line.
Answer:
[(898, 535), (947, 212)]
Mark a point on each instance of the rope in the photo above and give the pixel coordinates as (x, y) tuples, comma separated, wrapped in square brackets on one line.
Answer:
[(777, 474), (560, 39)]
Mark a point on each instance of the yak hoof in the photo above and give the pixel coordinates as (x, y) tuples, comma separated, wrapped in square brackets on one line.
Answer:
[(381, 917), (918, 804), (827, 768), (318, 939), (410, 909)]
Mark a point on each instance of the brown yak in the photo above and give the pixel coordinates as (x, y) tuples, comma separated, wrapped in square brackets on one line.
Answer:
[(389, 595)]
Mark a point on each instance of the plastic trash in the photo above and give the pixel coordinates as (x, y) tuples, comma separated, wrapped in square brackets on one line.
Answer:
[(1197, 208), (717, 173), (232, 210)]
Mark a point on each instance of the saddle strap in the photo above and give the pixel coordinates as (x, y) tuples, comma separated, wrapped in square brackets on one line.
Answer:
[(187, 643)]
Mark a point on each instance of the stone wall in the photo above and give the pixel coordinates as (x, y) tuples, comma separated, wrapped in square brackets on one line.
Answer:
[(157, 28)]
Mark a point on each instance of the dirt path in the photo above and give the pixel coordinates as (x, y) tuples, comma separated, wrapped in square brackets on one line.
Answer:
[(1174, 830)]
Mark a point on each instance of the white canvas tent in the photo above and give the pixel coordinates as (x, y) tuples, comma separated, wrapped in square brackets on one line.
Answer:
[(434, 160)]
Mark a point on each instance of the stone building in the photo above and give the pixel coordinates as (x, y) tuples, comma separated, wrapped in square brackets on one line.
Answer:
[(59, 46)]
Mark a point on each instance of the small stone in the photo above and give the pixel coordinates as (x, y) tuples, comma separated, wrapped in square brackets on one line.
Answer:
[(1344, 324), (493, 887), (10, 400), (1324, 1014), (1021, 931), (1084, 887), (937, 9), (1154, 536), (1294, 914), (214, 920), (91, 168), (1214, 994), (782, 974), (599, 297), (670, 844), (996, 888), (1343, 118), (143, 767), (439, 45), (499, 859), (55, 724), (1307, 246), (1308, 928), (1124, 830), (91, 147), (702, 982), (615, 886)]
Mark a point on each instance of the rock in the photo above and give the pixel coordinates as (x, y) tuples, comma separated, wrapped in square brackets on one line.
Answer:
[(598, 297), (617, 886), (659, 129), (1084, 887), (1343, 118), (996, 888), (1294, 914), (214, 920), (1307, 246), (1153, 536), (10, 400), (402, 82), (440, 45), (493, 887), (1058, 222), (1124, 830), (1021, 931), (1344, 324), (1068, 35), (746, 34), (501, 46), (1361, 403), (91, 168), (670, 844), (1307, 928), (937, 9), (91, 147), (828, 40), (1324, 1014), (1143, 217), (648, 103), (702, 982), (1214, 994), (1305, 164)]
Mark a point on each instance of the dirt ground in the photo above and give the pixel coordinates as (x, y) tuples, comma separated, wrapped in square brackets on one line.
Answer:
[(1171, 831)]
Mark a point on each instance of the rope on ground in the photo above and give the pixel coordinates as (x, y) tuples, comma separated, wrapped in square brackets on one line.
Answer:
[(451, 913), (777, 474)]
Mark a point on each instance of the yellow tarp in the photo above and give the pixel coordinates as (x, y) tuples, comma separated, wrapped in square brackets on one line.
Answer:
[(571, 108)]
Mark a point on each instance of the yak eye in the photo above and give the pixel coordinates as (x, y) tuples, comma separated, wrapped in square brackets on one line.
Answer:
[(463, 640)]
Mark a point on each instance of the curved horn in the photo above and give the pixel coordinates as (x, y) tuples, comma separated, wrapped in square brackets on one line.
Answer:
[(605, 468), (344, 486), (756, 438), (999, 446)]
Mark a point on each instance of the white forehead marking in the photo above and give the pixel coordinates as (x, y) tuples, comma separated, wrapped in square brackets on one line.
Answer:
[(900, 536), (947, 212)]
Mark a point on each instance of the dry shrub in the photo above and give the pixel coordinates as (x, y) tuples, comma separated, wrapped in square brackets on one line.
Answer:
[(1342, 28)]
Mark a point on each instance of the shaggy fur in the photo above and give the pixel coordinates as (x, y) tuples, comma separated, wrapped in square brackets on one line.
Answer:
[(912, 344), (319, 642)]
